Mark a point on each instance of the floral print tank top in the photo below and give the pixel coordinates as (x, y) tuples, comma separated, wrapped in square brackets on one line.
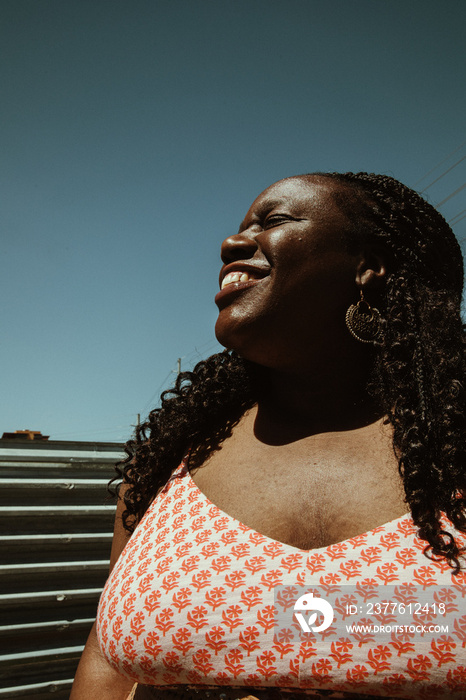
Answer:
[(192, 601)]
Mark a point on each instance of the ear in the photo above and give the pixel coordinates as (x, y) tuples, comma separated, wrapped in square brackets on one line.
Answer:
[(372, 270)]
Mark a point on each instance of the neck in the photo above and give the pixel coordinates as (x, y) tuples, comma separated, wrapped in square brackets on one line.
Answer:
[(292, 406)]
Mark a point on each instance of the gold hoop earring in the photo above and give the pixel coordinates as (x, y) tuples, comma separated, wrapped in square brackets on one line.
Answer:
[(364, 321)]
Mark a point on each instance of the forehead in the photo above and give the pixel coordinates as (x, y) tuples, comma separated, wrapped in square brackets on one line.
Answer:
[(303, 195)]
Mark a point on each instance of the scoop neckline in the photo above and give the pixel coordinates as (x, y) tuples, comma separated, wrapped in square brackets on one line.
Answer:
[(307, 552)]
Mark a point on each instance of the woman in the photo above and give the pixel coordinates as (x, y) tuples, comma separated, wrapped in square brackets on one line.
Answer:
[(326, 446)]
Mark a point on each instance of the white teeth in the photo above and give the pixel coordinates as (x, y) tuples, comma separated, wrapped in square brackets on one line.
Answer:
[(235, 277)]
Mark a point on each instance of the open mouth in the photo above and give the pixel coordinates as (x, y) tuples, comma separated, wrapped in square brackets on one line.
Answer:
[(237, 281), (233, 277)]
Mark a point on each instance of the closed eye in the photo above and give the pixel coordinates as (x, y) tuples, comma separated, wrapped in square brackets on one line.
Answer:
[(276, 220)]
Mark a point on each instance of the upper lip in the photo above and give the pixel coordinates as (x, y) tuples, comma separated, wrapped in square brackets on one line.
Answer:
[(258, 270)]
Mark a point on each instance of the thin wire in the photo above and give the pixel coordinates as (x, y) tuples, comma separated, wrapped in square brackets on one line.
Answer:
[(443, 174), (156, 392), (457, 222), (199, 352), (456, 216), (92, 432), (439, 164), (196, 353), (439, 204)]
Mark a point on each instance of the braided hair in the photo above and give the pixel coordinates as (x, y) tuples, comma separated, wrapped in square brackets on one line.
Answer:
[(418, 378), (420, 369)]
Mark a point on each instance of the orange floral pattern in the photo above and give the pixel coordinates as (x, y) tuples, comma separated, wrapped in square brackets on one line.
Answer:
[(191, 601)]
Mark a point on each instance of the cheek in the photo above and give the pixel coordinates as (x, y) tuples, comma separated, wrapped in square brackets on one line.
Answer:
[(304, 299), (333, 274)]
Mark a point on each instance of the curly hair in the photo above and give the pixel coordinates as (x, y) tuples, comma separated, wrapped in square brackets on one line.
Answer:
[(418, 378)]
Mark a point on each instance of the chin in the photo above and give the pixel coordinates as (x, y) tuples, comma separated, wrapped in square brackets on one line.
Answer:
[(224, 337), (235, 333), (249, 336), (244, 348)]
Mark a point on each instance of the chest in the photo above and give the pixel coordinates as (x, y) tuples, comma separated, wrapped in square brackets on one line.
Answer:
[(308, 496)]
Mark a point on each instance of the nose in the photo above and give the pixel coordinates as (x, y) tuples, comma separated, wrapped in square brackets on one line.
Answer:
[(240, 246)]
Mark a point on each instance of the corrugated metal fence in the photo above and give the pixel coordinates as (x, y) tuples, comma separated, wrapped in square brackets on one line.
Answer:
[(56, 522)]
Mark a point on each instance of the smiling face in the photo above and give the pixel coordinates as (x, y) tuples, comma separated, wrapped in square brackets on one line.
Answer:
[(287, 277)]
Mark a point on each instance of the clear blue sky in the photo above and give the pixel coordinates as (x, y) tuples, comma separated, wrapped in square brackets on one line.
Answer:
[(135, 134)]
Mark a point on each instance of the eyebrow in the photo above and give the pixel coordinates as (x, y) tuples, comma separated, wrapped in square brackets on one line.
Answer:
[(265, 207)]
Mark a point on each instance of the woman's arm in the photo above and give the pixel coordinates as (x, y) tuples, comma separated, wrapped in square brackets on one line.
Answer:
[(95, 678)]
